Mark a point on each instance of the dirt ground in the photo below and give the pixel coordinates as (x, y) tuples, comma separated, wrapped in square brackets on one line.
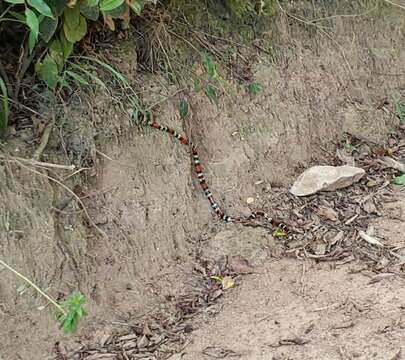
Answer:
[(311, 310), (153, 222)]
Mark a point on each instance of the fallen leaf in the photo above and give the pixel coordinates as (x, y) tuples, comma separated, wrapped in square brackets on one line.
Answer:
[(228, 283), (239, 265), (370, 239), (219, 353), (143, 342), (146, 329), (390, 162), (279, 233), (327, 213), (371, 183), (369, 207), (399, 180), (345, 157)]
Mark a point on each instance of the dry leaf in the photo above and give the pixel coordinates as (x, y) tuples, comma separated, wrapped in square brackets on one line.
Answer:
[(228, 283), (109, 21), (146, 329), (371, 183), (328, 213), (239, 265), (369, 207)]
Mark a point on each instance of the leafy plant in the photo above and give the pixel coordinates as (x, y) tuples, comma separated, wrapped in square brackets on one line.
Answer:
[(211, 92), (213, 78), (58, 25), (183, 109), (69, 313), (209, 67), (73, 305), (254, 88)]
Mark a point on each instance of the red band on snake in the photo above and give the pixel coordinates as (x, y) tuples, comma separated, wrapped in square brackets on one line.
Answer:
[(198, 169)]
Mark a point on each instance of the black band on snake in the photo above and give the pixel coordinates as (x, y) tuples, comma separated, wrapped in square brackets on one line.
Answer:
[(207, 192)]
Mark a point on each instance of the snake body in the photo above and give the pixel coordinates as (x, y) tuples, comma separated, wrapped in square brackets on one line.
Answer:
[(198, 169)]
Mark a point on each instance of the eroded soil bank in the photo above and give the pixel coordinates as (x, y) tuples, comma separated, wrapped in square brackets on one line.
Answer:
[(151, 217)]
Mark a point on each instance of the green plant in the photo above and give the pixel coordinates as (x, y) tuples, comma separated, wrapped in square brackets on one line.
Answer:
[(4, 112), (50, 29), (213, 78), (183, 109), (399, 109), (73, 305), (254, 88), (68, 314)]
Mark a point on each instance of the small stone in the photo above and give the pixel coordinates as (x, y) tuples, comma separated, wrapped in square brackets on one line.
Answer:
[(325, 178)]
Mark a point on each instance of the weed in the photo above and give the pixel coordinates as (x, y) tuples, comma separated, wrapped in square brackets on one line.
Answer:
[(73, 305), (254, 88), (183, 109), (68, 314)]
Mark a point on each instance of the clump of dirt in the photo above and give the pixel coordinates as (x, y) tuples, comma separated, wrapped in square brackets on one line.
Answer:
[(148, 220)]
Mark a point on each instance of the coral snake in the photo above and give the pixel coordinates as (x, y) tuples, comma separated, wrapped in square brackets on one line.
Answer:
[(276, 224)]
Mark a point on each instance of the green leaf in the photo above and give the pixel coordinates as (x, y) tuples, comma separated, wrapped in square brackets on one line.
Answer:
[(4, 110), (117, 12), (18, 16), (71, 16), (47, 71), (57, 6), (197, 85), (47, 28), (32, 40), (77, 77), (209, 67), (399, 180), (59, 50), (67, 46), (254, 88), (41, 7), (91, 3), (183, 109), (74, 313), (75, 26), (107, 5), (32, 22), (15, 1), (136, 6), (211, 93), (90, 12)]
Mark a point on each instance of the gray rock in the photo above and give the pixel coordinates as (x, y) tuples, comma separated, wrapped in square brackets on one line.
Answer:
[(325, 178)]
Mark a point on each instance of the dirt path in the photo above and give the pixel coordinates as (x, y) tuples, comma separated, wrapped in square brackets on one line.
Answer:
[(314, 309), (304, 310)]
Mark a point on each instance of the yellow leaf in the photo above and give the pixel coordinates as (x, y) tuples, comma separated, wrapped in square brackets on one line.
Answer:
[(228, 283), (110, 22), (71, 3), (279, 233), (217, 278), (126, 17)]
